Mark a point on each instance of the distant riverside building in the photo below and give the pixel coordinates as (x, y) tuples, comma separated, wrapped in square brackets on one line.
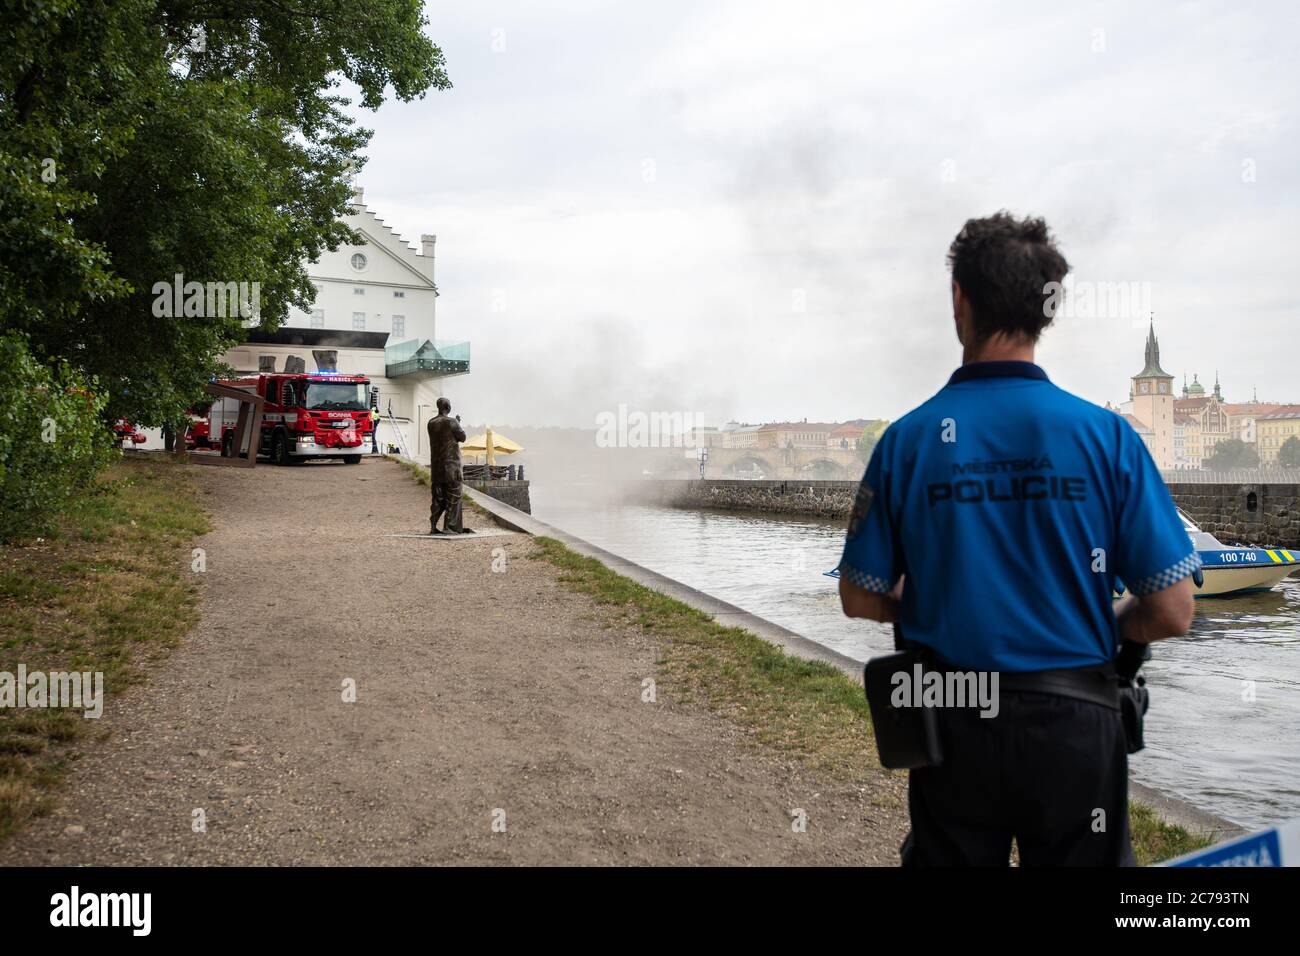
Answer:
[(831, 436), (1274, 429), (845, 436), (1207, 427), (1182, 424), (1183, 431), (1144, 432), (703, 436), (1244, 416), (795, 434), (375, 306), (735, 435)]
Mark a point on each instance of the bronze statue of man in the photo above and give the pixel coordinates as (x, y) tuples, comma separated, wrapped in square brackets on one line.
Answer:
[(445, 436)]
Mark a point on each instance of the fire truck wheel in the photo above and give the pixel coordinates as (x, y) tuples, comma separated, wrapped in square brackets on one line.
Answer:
[(228, 446), (352, 459), (280, 449)]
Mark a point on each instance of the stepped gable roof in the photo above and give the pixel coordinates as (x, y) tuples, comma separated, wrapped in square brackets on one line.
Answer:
[(379, 234), (360, 208)]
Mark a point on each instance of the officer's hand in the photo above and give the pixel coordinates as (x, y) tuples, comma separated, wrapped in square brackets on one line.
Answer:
[(859, 602), (1156, 616)]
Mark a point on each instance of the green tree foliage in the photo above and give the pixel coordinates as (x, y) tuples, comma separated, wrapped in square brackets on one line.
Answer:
[(52, 440), (141, 139), (869, 438), (1288, 456), (866, 445), (1232, 453), (66, 76)]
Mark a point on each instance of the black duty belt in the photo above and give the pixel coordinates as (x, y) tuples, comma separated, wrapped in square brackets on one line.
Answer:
[(1096, 685)]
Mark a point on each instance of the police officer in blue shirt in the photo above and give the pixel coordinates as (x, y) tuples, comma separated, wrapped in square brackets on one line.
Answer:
[(991, 526)]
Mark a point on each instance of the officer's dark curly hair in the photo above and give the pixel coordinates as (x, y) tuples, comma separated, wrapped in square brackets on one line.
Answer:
[(1004, 266)]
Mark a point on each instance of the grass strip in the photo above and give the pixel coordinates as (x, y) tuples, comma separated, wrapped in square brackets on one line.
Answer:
[(110, 592)]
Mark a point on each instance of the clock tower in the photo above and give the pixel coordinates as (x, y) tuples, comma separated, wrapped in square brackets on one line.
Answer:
[(1153, 402)]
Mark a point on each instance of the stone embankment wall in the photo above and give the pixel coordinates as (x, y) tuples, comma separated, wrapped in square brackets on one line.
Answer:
[(822, 499), (1262, 514), (513, 493)]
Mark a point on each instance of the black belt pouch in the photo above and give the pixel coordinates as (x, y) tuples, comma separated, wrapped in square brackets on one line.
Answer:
[(1134, 699), (906, 737)]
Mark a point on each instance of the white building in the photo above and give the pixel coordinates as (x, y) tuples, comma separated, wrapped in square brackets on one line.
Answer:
[(376, 306), (735, 435)]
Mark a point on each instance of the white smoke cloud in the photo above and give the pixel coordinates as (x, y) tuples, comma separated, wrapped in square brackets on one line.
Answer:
[(742, 209)]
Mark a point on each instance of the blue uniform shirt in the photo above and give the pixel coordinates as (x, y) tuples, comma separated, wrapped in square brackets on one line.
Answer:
[(1012, 506)]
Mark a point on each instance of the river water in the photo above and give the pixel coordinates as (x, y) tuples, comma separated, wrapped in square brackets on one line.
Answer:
[(1208, 741)]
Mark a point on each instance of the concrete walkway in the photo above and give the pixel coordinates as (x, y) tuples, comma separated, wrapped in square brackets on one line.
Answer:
[(498, 717)]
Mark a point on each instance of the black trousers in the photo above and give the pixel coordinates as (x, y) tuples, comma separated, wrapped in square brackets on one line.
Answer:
[(1050, 771)]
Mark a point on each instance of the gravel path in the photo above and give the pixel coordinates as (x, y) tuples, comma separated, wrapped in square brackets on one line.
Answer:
[(483, 700)]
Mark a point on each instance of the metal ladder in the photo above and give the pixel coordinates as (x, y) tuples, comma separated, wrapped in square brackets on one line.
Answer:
[(392, 423)]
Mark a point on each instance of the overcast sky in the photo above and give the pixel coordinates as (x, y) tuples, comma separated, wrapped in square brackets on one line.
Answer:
[(741, 210)]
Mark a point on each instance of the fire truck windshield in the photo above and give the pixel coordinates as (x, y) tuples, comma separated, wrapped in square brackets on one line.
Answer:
[(337, 396)]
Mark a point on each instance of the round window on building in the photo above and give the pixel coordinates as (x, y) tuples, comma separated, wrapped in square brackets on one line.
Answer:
[(358, 261)]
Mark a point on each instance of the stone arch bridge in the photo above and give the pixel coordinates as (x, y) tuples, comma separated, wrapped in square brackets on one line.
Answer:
[(783, 463)]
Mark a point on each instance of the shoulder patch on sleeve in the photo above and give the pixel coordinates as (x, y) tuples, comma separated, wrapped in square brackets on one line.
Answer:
[(861, 505)]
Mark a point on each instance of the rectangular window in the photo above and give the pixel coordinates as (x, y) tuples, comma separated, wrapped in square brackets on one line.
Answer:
[(399, 295), (399, 325), (318, 318), (357, 290), (359, 321)]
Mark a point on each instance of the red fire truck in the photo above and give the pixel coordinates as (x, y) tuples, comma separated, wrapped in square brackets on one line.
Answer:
[(312, 415), (197, 432), (124, 431)]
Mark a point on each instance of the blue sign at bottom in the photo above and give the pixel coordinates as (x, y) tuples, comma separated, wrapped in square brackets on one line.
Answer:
[(1277, 846)]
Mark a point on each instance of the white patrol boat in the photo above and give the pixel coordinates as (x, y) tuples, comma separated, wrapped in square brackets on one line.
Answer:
[(1230, 570)]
